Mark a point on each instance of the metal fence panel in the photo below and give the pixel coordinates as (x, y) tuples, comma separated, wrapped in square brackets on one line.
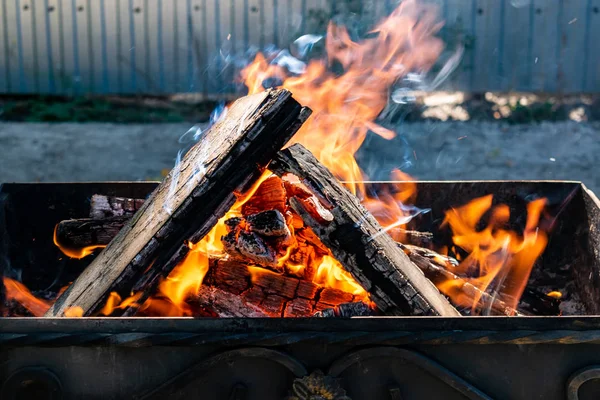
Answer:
[(168, 46)]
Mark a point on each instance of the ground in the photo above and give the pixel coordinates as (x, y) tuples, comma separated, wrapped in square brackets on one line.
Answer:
[(428, 150)]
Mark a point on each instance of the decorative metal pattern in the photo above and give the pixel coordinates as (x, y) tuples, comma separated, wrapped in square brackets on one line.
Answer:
[(156, 47), (415, 359), (317, 386), (239, 390)]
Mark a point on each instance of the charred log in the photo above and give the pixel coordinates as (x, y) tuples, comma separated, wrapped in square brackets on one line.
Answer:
[(224, 305), (276, 294), (189, 202), (434, 266), (397, 286), (86, 232), (268, 223)]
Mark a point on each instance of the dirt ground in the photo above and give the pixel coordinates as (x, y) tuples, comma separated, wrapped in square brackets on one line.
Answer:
[(61, 152)]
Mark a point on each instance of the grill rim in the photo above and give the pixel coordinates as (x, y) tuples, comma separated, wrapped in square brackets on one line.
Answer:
[(142, 332)]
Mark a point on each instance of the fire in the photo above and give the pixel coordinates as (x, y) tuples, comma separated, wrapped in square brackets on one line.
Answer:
[(390, 208), (554, 294), (18, 292), (74, 312), (186, 279), (347, 90), (77, 253), (330, 273), (501, 260), (345, 105)]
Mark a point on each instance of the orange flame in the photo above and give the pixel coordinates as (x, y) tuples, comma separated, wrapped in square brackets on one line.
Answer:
[(387, 207), (72, 252), (345, 106), (187, 277), (18, 292), (500, 259), (74, 312), (330, 273)]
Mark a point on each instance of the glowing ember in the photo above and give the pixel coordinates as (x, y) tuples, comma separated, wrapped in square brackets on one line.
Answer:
[(554, 294)]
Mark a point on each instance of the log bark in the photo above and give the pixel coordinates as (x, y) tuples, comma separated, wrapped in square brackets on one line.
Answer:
[(396, 285), (86, 232), (434, 266), (227, 159)]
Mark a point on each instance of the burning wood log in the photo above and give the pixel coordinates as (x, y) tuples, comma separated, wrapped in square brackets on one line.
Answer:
[(87, 232), (189, 202), (434, 266), (396, 285), (269, 196), (268, 223), (416, 238), (224, 305), (276, 294)]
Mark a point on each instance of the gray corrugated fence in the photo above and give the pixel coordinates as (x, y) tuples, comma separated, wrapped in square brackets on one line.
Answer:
[(169, 46)]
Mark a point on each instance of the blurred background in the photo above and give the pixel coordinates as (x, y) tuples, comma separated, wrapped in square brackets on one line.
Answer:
[(114, 89)]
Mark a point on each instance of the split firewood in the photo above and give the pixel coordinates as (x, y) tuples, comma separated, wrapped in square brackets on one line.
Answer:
[(309, 201), (224, 305), (346, 310), (228, 159), (87, 232), (416, 238), (396, 285), (436, 268), (270, 195), (438, 259), (111, 206)]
